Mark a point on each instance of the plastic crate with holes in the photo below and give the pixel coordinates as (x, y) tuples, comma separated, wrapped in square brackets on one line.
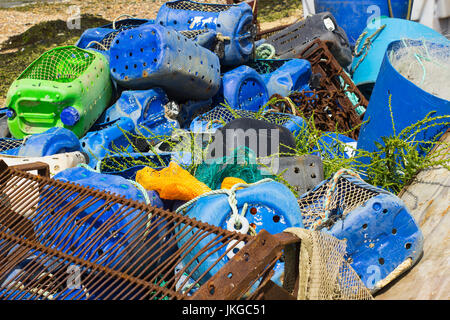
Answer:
[(233, 25), (243, 89), (65, 87), (383, 239)]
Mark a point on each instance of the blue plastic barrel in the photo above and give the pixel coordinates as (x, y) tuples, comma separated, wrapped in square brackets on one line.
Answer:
[(367, 63), (154, 56), (234, 22), (409, 103), (353, 16)]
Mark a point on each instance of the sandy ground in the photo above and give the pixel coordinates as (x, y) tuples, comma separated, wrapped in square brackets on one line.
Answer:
[(16, 20)]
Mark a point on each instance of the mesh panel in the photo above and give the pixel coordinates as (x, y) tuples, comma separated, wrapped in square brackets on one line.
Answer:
[(7, 144), (265, 66), (194, 33), (60, 65), (108, 39), (224, 114), (194, 6), (340, 199), (324, 274)]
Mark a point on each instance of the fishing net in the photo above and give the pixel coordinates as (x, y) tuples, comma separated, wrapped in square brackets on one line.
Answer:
[(62, 65), (265, 66), (324, 274), (195, 6), (341, 194), (426, 66), (224, 115), (241, 164), (8, 143), (191, 34), (171, 183)]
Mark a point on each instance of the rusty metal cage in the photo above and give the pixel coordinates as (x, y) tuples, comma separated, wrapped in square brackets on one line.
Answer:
[(334, 99), (119, 249)]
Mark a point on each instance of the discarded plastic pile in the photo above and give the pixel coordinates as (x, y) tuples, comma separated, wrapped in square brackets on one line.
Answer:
[(172, 150)]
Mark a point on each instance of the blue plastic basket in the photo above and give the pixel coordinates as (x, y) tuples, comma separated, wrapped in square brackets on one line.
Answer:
[(234, 21), (101, 38), (271, 206), (108, 137), (292, 75)]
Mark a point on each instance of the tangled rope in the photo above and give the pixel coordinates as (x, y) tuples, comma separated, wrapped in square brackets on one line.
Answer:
[(231, 193)]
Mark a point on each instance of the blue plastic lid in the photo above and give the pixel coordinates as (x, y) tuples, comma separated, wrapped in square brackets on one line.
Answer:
[(10, 113), (70, 116)]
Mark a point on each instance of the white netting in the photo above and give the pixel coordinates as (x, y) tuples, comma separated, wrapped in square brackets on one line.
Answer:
[(61, 65), (324, 274), (427, 67), (225, 115), (194, 6)]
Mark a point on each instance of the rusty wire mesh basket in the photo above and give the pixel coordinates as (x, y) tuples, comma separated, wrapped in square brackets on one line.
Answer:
[(62, 241), (335, 101)]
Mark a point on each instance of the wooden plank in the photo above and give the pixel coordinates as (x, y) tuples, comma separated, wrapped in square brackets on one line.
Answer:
[(427, 197)]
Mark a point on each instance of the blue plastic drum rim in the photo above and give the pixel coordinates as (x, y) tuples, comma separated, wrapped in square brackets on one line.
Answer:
[(365, 67), (391, 85)]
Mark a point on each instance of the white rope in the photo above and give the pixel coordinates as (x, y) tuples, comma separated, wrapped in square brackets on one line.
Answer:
[(231, 193), (122, 15), (97, 43)]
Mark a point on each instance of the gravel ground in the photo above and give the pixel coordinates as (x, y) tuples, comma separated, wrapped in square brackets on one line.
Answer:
[(17, 20)]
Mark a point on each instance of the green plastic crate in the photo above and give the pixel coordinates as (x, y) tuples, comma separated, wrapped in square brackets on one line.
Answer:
[(62, 77)]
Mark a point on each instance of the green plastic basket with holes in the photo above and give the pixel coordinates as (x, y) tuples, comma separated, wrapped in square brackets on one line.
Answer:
[(65, 87)]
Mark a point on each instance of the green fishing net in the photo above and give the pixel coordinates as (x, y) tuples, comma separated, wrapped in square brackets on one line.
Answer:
[(240, 164)]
